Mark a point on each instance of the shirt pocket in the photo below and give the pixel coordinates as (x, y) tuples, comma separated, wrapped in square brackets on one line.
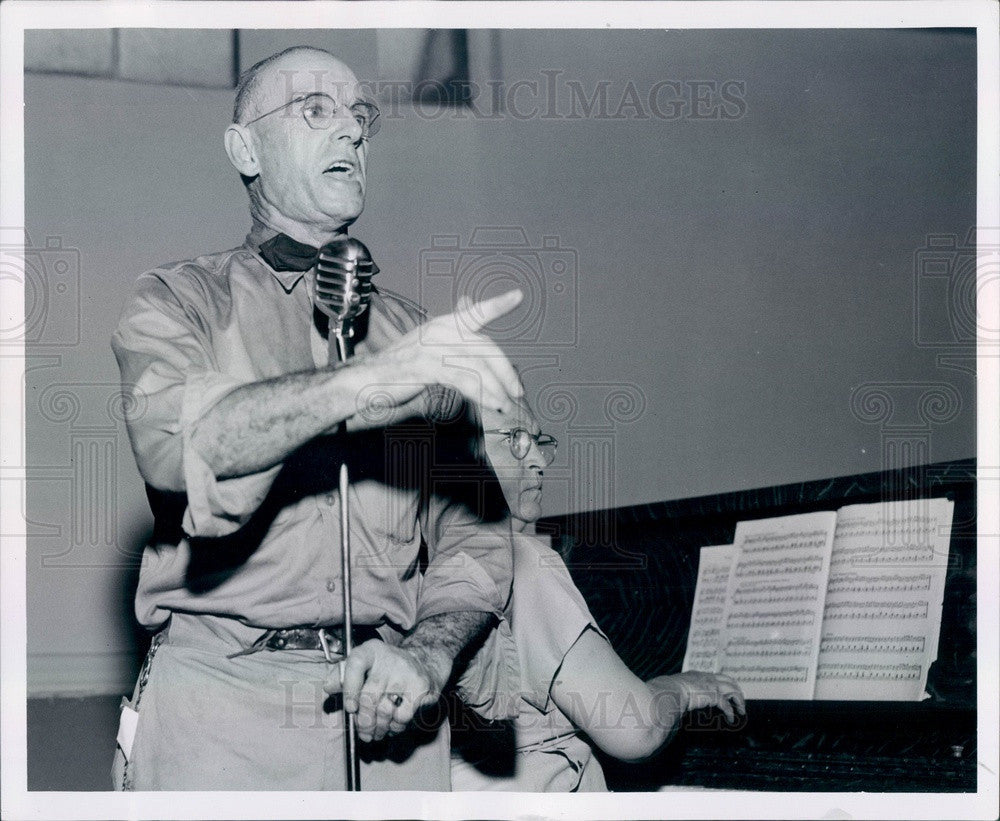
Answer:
[(390, 514)]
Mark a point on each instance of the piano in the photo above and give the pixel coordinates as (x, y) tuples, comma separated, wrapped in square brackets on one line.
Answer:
[(637, 568)]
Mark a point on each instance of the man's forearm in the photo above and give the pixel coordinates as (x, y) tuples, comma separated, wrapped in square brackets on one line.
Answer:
[(257, 426), (437, 640)]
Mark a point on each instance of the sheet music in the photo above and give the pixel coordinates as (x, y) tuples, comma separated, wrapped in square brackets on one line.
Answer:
[(775, 604), (883, 602), (704, 648)]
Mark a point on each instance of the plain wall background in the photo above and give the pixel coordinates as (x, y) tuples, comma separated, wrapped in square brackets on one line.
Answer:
[(735, 281)]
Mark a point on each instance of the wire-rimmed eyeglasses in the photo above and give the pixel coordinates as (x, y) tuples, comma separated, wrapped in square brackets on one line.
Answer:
[(520, 441), (319, 111)]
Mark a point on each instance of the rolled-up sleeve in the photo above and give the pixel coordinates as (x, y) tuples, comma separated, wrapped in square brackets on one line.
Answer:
[(170, 378), (470, 563), (471, 568)]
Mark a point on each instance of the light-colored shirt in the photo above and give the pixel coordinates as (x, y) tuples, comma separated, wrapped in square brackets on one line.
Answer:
[(264, 548), (547, 614)]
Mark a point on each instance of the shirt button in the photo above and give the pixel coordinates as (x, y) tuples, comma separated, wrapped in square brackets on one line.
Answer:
[(331, 585), (330, 499)]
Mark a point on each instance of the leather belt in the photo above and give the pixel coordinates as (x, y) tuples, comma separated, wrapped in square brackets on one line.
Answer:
[(309, 638)]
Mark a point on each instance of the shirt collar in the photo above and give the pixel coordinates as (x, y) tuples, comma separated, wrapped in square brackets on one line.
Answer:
[(261, 233)]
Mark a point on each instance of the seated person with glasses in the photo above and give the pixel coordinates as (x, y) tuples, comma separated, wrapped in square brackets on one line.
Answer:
[(571, 678)]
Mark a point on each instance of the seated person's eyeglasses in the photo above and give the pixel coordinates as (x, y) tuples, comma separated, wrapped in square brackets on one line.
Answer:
[(520, 443), (319, 111)]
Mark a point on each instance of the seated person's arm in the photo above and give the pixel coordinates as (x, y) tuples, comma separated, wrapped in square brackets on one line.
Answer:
[(626, 717)]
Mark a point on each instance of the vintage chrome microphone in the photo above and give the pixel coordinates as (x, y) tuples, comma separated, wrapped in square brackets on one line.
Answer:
[(342, 289)]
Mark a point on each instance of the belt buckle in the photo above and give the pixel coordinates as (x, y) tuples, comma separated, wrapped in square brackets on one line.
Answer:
[(325, 644), (304, 638)]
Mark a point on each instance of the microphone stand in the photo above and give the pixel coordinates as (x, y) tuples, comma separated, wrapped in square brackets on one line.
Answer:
[(342, 286), (338, 351)]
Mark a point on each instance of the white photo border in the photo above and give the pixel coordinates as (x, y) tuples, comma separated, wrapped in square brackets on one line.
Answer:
[(18, 803)]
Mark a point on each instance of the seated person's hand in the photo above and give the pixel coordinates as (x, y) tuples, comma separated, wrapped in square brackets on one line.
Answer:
[(385, 686), (703, 690), (695, 690)]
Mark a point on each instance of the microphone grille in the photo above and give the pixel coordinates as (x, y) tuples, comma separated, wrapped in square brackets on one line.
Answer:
[(343, 283)]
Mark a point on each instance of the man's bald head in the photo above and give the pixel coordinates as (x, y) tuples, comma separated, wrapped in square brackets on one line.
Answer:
[(305, 177), (250, 86)]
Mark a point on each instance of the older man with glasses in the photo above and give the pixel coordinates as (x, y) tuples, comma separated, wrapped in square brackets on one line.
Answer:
[(239, 422), (569, 678)]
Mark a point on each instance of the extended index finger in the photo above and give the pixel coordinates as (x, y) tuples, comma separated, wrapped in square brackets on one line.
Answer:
[(474, 315), (505, 373)]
